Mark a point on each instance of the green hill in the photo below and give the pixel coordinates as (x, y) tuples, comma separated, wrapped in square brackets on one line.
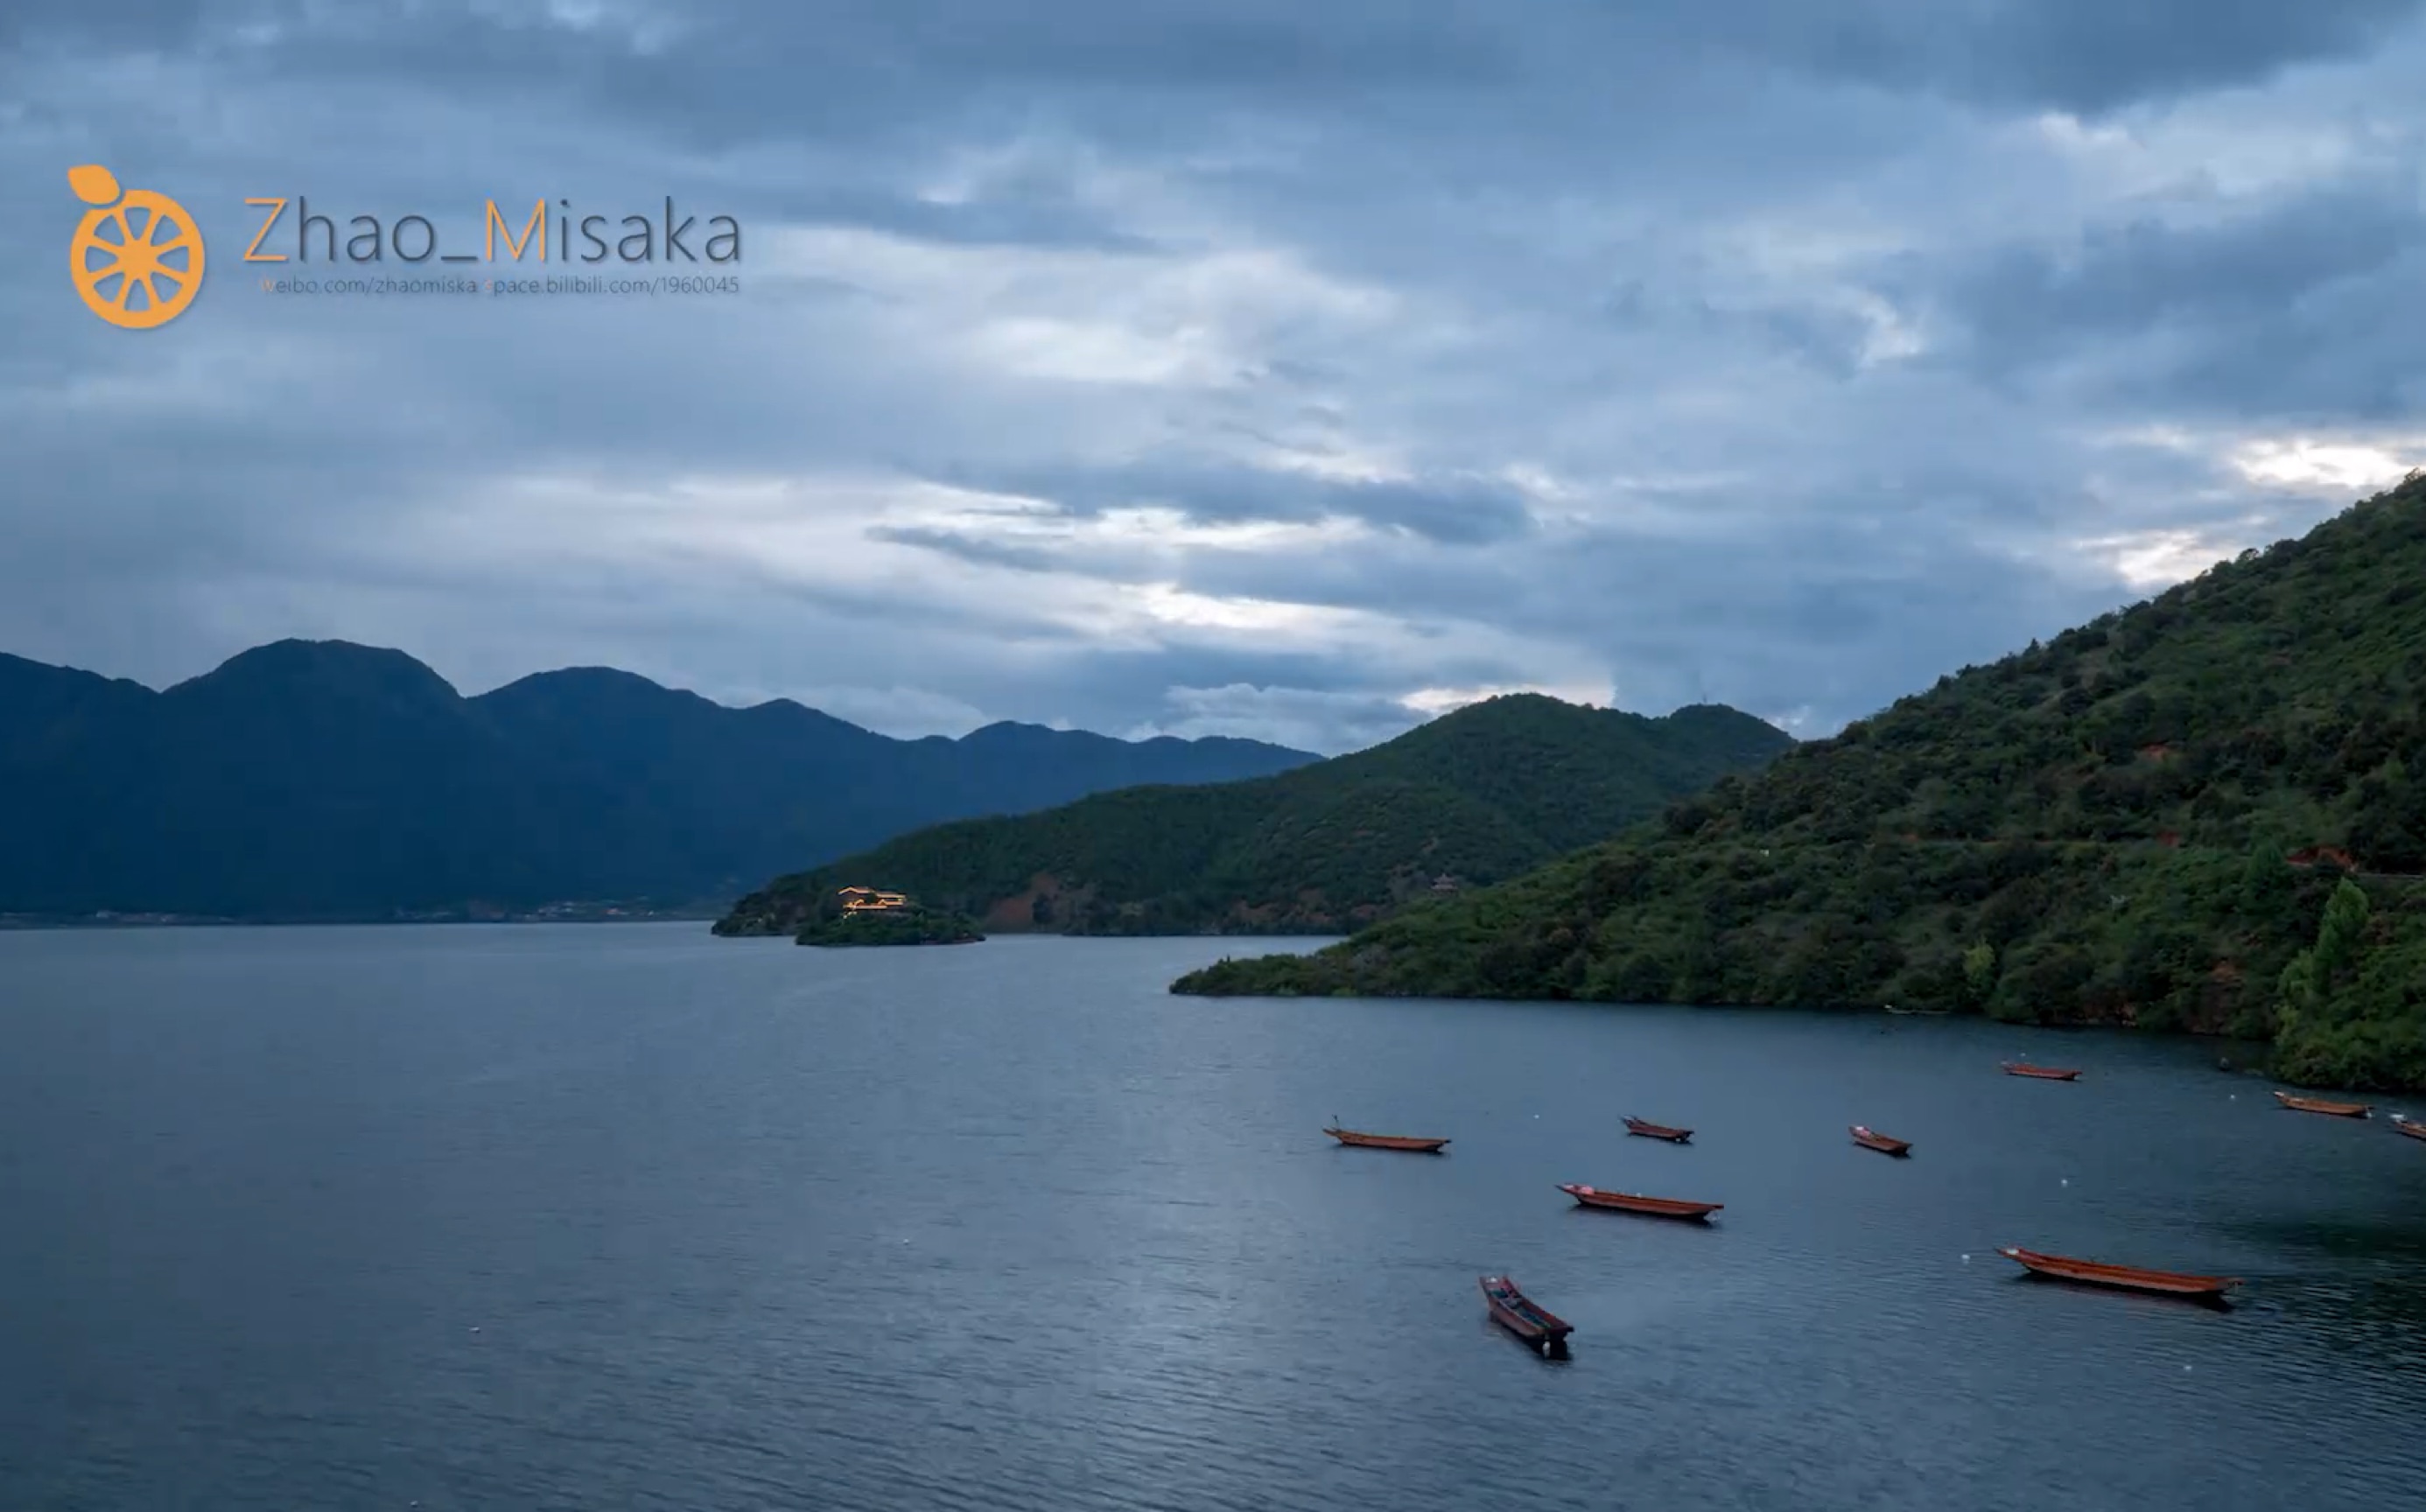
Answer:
[(911, 923), (2147, 821), (1473, 798)]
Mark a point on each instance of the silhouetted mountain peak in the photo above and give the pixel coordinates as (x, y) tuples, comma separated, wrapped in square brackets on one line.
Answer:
[(40, 702), (325, 778), (1005, 735), (792, 713), (1010, 731), (607, 680), (597, 690), (319, 670), (23, 678)]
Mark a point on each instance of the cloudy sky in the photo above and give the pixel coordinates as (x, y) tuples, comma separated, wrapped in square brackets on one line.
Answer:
[(1218, 366)]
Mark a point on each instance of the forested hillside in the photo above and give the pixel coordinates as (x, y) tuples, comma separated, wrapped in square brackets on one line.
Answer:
[(2205, 812), (1473, 798)]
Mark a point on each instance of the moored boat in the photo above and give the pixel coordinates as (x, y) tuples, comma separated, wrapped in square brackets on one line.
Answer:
[(1657, 1130), (2403, 1123), (2317, 1104), (2125, 1278), (2044, 1074), (1374, 1141), (1873, 1140), (1657, 1207), (1521, 1316)]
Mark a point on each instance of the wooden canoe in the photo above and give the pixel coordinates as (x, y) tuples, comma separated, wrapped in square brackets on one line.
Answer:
[(2317, 1104), (1521, 1316), (1872, 1140), (2044, 1074), (1657, 1130), (1374, 1141), (1657, 1207), (2401, 1123), (2127, 1277)]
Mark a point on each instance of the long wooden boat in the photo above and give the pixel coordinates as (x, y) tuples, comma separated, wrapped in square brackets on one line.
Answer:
[(2044, 1074), (2317, 1104), (1657, 1130), (1374, 1141), (2403, 1123), (1521, 1316), (1657, 1207), (1872, 1140), (2127, 1277)]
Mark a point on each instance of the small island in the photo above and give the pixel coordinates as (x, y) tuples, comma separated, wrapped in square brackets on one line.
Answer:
[(864, 916)]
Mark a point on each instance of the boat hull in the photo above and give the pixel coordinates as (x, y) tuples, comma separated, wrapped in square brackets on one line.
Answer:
[(1649, 1206), (1374, 1141), (2120, 1278), (2317, 1104), (1645, 1129), (1870, 1139), (2410, 1127), (1521, 1315), (2044, 1073)]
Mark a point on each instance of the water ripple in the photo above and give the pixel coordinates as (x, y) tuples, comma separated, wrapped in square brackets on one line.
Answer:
[(766, 1227)]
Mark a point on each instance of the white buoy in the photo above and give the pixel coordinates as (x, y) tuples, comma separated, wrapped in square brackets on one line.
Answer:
[(2068, 1180), (1967, 1260), (476, 1327)]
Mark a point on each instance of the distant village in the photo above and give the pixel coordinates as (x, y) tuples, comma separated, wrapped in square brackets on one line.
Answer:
[(868, 900)]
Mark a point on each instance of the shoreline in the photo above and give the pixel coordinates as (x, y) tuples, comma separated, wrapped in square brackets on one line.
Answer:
[(31, 924)]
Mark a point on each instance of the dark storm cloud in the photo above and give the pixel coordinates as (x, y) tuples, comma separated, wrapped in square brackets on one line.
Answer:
[(739, 69), (2079, 54), (2303, 307), (161, 23), (1252, 366)]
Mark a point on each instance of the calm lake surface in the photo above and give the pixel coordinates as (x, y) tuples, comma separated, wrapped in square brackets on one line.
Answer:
[(626, 1216)]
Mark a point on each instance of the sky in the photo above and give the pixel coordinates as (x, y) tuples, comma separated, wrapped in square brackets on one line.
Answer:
[(1253, 368)]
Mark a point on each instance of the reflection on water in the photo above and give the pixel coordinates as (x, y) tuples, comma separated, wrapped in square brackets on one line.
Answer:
[(625, 1216), (2369, 1297)]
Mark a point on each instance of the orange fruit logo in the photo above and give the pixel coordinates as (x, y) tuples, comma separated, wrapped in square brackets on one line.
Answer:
[(137, 260)]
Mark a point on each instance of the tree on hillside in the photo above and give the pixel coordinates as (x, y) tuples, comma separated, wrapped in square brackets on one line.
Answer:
[(2306, 989), (2351, 1013), (1979, 974)]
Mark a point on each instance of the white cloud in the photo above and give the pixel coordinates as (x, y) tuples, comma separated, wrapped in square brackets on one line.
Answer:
[(1433, 703), (2333, 467), (2152, 559), (1117, 380)]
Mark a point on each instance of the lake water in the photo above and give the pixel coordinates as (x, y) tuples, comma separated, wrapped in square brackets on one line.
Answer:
[(608, 1216)]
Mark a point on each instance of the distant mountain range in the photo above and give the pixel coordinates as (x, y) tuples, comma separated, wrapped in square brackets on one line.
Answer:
[(1473, 798), (321, 780)]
